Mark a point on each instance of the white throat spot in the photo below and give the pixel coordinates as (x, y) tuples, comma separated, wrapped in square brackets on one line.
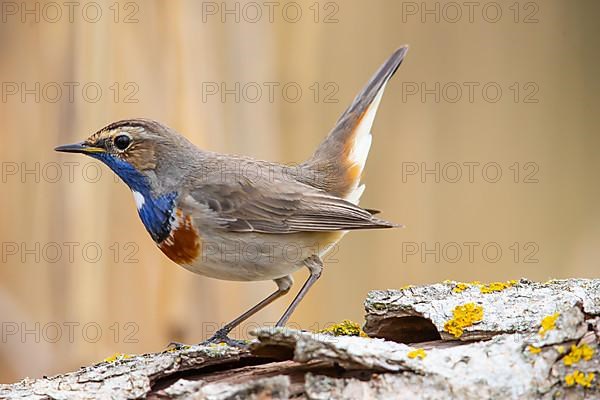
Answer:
[(139, 199)]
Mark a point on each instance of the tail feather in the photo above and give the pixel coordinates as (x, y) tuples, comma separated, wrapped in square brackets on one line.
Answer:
[(340, 159)]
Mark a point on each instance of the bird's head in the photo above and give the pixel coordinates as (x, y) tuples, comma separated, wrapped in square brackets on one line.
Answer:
[(150, 158), (137, 150)]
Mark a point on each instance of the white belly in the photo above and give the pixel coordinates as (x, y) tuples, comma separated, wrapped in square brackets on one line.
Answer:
[(256, 256)]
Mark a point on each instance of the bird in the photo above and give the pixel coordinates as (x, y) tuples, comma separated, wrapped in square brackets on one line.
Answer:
[(236, 218)]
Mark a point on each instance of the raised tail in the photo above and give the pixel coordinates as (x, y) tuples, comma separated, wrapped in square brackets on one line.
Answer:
[(339, 161)]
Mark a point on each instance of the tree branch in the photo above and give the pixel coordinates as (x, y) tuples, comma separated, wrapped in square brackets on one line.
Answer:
[(469, 341)]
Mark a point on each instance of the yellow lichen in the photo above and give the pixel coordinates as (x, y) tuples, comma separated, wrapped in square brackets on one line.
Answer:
[(492, 287), (217, 345), (117, 357), (497, 286), (460, 287), (578, 377), (344, 328), (463, 316), (417, 353), (560, 349), (577, 353), (548, 323), (533, 350)]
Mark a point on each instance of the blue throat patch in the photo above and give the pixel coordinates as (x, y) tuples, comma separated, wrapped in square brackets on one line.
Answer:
[(156, 212)]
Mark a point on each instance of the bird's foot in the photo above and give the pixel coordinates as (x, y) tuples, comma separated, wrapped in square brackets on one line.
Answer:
[(221, 337), (175, 346)]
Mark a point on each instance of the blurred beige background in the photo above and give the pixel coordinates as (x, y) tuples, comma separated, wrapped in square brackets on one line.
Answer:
[(509, 88)]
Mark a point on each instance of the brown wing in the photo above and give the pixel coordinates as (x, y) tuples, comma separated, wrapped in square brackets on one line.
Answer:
[(280, 207)]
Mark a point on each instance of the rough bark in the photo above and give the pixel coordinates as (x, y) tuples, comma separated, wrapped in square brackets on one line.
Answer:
[(527, 340), (414, 312)]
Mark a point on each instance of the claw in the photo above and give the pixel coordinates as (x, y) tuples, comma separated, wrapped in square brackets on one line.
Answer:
[(175, 346), (221, 337)]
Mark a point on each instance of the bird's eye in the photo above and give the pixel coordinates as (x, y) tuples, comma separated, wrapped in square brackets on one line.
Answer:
[(122, 142)]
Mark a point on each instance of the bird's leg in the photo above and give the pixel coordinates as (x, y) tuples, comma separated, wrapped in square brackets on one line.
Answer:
[(315, 266), (283, 286)]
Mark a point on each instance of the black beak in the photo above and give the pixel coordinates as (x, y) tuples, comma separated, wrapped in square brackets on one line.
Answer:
[(80, 147)]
